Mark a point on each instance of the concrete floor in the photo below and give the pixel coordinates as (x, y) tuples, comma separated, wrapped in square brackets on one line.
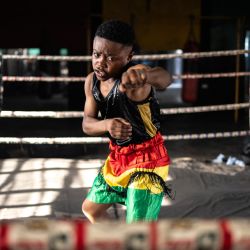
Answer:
[(55, 188)]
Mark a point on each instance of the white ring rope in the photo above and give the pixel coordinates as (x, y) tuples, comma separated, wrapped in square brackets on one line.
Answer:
[(192, 55), (82, 79), (100, 140), (211, 75), (187, 55), (199, 109), (42, 79), (79, 114), (41, 114), (48, 58)]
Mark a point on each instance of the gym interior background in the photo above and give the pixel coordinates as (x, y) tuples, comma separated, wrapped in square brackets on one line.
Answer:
[(57, 28)]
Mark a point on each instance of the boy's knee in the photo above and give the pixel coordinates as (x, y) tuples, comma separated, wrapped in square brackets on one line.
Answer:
[(86, 209), (89, 211)]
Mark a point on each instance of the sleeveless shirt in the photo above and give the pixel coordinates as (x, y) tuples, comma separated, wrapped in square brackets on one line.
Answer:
[(144, 116)]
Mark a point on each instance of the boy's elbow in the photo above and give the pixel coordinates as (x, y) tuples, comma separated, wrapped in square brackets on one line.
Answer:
[(165, 83), (165, 80), (169, 80), (84, 127)]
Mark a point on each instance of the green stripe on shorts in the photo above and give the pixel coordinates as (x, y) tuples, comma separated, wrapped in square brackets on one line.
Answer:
[(142, 205)]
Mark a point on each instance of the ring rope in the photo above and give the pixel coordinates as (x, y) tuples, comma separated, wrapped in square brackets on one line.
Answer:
[(99, 140), (42, 79), (41, 114), (191, 55), (79, 114), (211, 75), (187, 55), (82, 79), (225, 134), (200, 109)]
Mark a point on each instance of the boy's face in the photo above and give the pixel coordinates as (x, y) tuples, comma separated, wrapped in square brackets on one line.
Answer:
[(108, 58)]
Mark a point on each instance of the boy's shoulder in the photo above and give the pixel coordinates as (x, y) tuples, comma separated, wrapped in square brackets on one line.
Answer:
[(89, 77), (88, 83)]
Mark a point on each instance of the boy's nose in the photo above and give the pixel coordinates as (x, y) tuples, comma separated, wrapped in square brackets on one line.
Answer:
[(101, 61)]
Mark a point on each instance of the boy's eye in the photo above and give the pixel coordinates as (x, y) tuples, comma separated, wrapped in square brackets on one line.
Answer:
[(95, 54), (110, 58)]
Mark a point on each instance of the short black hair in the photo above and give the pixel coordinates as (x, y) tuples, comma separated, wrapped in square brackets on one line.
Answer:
[(117, 31)]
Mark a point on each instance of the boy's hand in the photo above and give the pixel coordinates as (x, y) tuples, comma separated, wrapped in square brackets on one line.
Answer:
[(119, 128), (133, 78)]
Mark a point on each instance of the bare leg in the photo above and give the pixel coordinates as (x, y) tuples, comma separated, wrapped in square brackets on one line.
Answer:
[(95, 211)]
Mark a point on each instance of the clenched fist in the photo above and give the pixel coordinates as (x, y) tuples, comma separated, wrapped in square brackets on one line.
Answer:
[(119, 128), (133, 78)]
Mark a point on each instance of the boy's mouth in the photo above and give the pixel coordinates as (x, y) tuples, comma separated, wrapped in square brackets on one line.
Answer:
[(100, 73)]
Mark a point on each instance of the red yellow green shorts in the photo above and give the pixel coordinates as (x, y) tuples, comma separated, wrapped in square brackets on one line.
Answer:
[(135, 176)]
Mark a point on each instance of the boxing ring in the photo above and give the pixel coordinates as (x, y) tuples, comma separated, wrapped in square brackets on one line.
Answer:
[(50, 182)]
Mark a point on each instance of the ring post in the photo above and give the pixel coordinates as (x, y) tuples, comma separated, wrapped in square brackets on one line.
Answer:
[(1, 82), (248, 80)]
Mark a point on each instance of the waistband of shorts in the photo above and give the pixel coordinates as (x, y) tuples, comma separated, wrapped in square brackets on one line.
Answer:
[(152, 142)]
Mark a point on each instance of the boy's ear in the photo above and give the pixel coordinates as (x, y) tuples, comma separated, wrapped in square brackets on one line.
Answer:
[(130, 56)]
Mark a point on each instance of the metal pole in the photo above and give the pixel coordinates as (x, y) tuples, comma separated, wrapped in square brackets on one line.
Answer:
[(249, 102), (236, 98)]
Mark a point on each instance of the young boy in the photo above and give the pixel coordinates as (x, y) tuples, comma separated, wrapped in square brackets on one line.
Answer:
[(136, 169)]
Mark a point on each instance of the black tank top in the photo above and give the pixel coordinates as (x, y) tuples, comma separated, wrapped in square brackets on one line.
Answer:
[(143, 116)]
